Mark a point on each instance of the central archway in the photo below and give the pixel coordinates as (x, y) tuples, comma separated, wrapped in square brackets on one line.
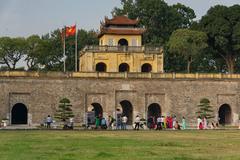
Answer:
[(127, 110), (123, 67), (123, 42), (101, 67), (19, 114), (154, 110), (225, 114)]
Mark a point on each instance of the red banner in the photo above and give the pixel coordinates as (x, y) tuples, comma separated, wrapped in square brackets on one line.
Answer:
[(70, 31)]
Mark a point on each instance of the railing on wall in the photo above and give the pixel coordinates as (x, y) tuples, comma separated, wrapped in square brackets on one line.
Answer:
[(135, 49), (125, 75)]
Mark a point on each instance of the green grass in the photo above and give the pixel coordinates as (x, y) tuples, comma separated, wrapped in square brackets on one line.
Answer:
[(117, 145)]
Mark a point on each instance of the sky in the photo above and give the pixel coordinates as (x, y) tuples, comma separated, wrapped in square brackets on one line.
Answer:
[(22, 18)]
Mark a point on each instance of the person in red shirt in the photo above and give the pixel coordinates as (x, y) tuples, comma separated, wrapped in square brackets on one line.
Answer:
[(200, 125)]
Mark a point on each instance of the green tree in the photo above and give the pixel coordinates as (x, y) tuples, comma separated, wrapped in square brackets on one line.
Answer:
[(185, 15), (12, 51), (49, 52), (205, 109), (187, 43), (46, 53), (222, 25), (64, 111), (128, 8), (33, 54)]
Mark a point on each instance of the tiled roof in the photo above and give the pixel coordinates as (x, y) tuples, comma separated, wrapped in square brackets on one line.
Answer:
[(121, 20), (119, 31)]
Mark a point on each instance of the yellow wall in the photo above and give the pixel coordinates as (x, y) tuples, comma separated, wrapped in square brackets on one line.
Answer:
[(88, 61), (104, 40)]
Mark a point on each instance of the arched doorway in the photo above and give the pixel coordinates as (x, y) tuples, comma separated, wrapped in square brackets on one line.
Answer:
[(154, 110), (123, 42), (19, 114), (127, 110), (101, 67), (123, 67), (97, 109), (225, 114), (146, 67)]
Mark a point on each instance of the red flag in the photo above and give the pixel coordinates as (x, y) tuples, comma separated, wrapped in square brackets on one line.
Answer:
[(70, 31)]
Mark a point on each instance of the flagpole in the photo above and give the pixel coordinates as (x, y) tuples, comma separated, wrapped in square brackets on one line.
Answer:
[(64, 50), (76, 54)]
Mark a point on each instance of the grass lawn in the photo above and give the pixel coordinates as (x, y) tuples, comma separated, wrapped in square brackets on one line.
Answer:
[(120, 145)]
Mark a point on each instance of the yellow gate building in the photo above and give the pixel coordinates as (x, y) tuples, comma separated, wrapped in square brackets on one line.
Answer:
[(120, 49)]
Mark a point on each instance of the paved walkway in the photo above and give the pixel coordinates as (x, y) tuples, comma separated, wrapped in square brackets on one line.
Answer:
[(20, 127)]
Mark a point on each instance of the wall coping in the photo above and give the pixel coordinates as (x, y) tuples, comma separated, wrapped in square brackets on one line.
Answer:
[(109, 75)]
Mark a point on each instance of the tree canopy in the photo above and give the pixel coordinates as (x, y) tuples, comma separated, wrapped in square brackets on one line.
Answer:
[(11, 51), (222, 25), (187, 43), (43, 53)]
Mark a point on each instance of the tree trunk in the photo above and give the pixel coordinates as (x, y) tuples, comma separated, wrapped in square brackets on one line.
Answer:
[(230, 61), (189, 64)]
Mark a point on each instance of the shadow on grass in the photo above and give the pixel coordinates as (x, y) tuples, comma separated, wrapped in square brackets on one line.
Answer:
[(104, 155)]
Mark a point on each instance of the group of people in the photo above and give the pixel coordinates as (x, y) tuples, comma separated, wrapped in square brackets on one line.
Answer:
[(48, 122), (162, 122), (158, 123), (202, 123), (120, 123), (100, 122)]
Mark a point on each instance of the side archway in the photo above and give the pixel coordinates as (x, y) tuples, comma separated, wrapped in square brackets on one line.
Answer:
[(146, 67), (225, 114), (97, 109), (101, 67), (123, 67), (127, 110), (19, 114)]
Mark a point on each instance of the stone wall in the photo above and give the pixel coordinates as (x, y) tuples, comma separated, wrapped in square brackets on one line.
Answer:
[(175, 96)]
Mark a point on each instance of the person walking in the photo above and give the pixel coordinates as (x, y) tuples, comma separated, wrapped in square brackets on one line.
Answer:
[(198, 122), (124, 122), (137, 123), (71, 122), (183, 123), (103, 123), (110, 122), (159, 123), (170, 122), (164, 123), (174, 119), (119, 122), (97, 122), (204, 121), (49, 121)]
